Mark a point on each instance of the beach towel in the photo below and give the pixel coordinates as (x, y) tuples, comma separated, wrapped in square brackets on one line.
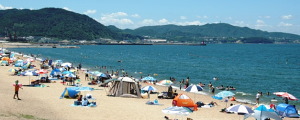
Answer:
[(152, 103)]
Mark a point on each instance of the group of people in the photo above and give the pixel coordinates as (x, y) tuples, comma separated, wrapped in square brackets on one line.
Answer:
[(185, 82)]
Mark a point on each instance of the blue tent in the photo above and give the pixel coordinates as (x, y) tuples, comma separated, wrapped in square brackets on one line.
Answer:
[(286, 110), (71, 92)]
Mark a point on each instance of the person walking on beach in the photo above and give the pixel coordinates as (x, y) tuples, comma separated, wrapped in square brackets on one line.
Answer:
[(86, 76), (17, 87), (79, 66)]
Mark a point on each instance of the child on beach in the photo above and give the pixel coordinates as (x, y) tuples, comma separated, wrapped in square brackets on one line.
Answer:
[(17, 87)]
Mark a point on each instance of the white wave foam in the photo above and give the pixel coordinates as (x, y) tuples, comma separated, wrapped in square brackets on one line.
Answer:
[(243, 93)]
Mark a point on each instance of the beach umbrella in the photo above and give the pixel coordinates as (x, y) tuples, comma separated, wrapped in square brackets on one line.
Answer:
[(174, 110), (165, 82), (66, 72), (149, 88), (262, 112), (61, 69), (85, 89), (30, 59), (12, 70), (149, 78), (95, 73), (70, 75), (67, 64), (30, 73), (240, 109), (127, 79), (42, 71), (194, 88), (4, 62), (285, 94), (223, 94), (58, 62)]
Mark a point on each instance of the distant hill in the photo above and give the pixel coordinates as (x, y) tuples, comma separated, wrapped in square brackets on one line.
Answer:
[(195, 32), (52, 22), (63, 24)]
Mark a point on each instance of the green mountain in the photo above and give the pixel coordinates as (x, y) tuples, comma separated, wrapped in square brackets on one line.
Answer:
[(52, 22), (216, 31)]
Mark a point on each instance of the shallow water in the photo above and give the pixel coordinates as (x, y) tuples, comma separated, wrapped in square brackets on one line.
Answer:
[(247, 67)]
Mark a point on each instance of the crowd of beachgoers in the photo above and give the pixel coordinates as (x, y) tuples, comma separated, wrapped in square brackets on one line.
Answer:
[(42, 90)]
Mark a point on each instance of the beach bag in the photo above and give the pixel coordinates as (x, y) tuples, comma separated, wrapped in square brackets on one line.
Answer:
[(77, 103), (199, 104)]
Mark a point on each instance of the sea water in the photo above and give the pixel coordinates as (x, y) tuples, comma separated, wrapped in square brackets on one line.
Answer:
[(247, 67)]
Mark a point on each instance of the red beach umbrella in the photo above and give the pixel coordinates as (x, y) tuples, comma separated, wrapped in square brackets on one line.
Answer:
[(285, 94), (42, 71)]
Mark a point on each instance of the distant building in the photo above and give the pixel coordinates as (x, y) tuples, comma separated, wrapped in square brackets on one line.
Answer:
[(156, 40)]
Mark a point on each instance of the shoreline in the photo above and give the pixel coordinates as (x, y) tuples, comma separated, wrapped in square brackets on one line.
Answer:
[(105, 101), (207, 92)]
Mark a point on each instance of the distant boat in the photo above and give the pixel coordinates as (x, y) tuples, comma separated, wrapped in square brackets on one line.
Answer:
[(201, 44)]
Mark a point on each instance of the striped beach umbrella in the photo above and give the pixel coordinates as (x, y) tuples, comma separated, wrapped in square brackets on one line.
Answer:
[(194, 88), (182, 111), (285, 94), (149, 78), (165, 82), (240, 109), (149, 88)]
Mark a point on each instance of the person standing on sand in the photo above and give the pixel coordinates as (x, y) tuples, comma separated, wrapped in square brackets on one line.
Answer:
[(17, 87), (257, 97), (187, 82)]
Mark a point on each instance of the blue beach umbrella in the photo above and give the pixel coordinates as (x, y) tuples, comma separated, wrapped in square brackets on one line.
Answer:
[(182, 111), (66, 72), (223, 94), (262, 112), (194, 88), (148, 78), (70, 75), (149, 88), (240, 109)]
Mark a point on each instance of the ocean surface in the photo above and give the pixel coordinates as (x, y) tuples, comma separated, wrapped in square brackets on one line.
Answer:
[(247, 67)]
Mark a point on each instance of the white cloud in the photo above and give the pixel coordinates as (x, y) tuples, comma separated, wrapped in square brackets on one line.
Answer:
[(183, 17), (66, 8), (260, 23), (135, 15), (163, 21), (117, 14), (241, 24), (148, 22), (189, 23), (286, 17), (5, 7), (282, 24), (90, 12), (203, 17), (229, 18), (118, 18), (266, 17)]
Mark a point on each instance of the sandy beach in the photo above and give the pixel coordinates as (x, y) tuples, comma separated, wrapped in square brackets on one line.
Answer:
[(44, 103)]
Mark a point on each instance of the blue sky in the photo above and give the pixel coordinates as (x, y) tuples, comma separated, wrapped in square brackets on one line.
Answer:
[(267, 15)]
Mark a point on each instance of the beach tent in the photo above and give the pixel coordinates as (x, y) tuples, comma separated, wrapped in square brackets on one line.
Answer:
[(125, 87), (19, 63), (183, 100), (71, 92), (286, 110)]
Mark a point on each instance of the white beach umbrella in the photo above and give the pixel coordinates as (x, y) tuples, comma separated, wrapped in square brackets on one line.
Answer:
[(67, 64)]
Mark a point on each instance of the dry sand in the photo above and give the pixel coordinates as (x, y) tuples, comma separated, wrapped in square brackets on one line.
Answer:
[(44, 103)]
